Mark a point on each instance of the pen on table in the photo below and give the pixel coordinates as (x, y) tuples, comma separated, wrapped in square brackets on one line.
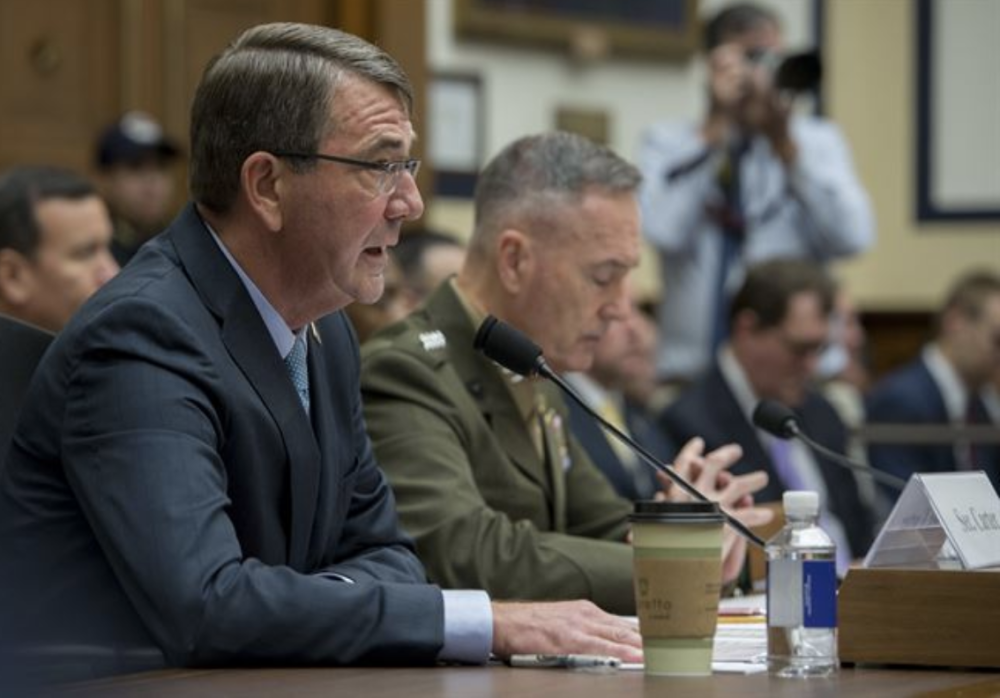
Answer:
[(565, 661)]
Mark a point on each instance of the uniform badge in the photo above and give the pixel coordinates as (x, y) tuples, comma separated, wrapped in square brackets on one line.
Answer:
[(433, 340)]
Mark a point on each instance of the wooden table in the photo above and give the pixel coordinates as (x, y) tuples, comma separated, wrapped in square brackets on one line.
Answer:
[(470, 682)]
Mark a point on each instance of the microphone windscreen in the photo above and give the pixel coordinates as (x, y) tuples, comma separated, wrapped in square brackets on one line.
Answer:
[(775, 419), (508, 347)]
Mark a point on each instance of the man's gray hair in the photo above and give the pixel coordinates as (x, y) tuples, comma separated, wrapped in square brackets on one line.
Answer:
[(272, 90), (535, 175)]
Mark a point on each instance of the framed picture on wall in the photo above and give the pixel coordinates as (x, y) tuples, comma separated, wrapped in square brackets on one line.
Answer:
[(456, 124), (957, 134), (650, 28)]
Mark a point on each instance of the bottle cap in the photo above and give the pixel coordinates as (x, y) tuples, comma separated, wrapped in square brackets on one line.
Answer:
[(800, 503)]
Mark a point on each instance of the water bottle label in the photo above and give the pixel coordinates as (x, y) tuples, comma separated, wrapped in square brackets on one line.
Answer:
[(802, 593)]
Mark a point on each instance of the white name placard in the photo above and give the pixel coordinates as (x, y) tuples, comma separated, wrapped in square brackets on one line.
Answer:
[(940, 517)]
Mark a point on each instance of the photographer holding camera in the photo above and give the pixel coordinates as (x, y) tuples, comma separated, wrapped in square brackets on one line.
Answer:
[(751, 181)]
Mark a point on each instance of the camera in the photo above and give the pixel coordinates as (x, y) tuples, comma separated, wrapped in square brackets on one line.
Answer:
[(795, 73)]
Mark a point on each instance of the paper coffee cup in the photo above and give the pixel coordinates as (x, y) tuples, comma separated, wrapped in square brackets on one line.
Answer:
[(677, 549)]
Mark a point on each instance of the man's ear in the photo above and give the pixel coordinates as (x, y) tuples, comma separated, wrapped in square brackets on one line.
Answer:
[(515, 259), (17, 277), (745, 322), (260, 178)]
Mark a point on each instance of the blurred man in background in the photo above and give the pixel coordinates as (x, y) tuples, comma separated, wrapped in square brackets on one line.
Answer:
[(945, 385), (619, 387), (749, 182), (55, 238), (135, 162), (778, 328)]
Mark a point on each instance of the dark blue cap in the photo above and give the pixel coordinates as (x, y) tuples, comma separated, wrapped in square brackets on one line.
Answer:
[(134, 137)]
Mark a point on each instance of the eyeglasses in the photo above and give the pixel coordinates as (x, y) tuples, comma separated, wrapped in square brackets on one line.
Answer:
[(388, 172)]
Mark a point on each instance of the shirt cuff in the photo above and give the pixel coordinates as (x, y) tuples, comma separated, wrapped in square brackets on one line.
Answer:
[(468, 626)]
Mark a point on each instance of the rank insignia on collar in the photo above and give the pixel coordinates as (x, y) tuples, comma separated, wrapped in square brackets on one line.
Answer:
[(433, 341)]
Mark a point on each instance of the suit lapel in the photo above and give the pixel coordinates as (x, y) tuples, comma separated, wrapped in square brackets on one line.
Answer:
[(245, 336), (736, 428), (486, 384)]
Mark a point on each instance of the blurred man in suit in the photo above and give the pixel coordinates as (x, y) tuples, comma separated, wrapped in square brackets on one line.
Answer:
[(21, 347), (488, 479), (779, 325), (619, 386), (192, 483), (421, 260), (945, 385), (55, 237), (426, 258)]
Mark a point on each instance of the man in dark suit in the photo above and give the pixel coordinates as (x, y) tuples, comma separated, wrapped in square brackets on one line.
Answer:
[(21, 347), (778, 327), (192, 475), (619, 387), (945, 385)]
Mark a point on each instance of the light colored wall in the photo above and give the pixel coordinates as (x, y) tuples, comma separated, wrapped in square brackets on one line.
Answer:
[(871, 89), (869, 51), (522, 88)]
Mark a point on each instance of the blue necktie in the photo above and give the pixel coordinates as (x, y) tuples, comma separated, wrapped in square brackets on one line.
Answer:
[(733, 227), (298, 371)]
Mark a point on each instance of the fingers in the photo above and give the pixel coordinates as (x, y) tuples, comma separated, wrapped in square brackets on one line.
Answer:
[(734, 550), (724, 456), (565, 627), (686, 464), (753, 516), (739, 488)]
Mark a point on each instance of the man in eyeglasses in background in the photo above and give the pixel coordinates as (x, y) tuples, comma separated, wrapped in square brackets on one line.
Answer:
[(779, 323), (192, 483), (749, 182)]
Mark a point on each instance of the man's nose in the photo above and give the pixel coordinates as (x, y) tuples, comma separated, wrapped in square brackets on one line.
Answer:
[(107, 268)]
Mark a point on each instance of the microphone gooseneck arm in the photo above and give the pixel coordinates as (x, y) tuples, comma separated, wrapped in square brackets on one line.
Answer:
[(877, 475), (545, 371), (513, 350)]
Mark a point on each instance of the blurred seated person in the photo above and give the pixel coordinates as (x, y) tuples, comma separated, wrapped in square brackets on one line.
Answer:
[(21, 347), (369, 318), (135, 162), (618, 386), (419, 262), (779, 324), (944, 385), (426, 258), (844, 379), (991, 396), (55, 237)]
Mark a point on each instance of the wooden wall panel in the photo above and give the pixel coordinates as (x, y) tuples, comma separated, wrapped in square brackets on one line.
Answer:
[(72, 67), (60, 78)]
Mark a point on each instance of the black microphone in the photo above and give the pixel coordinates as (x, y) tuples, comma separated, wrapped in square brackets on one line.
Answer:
[(514, 351), (778, 420)]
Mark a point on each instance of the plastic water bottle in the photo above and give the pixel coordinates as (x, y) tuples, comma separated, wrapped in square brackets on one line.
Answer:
[(801, 593)]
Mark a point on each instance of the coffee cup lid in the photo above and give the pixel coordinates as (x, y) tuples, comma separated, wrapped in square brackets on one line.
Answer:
[(693, 512)]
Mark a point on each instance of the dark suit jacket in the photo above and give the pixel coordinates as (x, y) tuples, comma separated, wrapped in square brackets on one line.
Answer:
[(485, 509), (21, 348), (597, 443), (709, 409), (910, 395), (166, 486)]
